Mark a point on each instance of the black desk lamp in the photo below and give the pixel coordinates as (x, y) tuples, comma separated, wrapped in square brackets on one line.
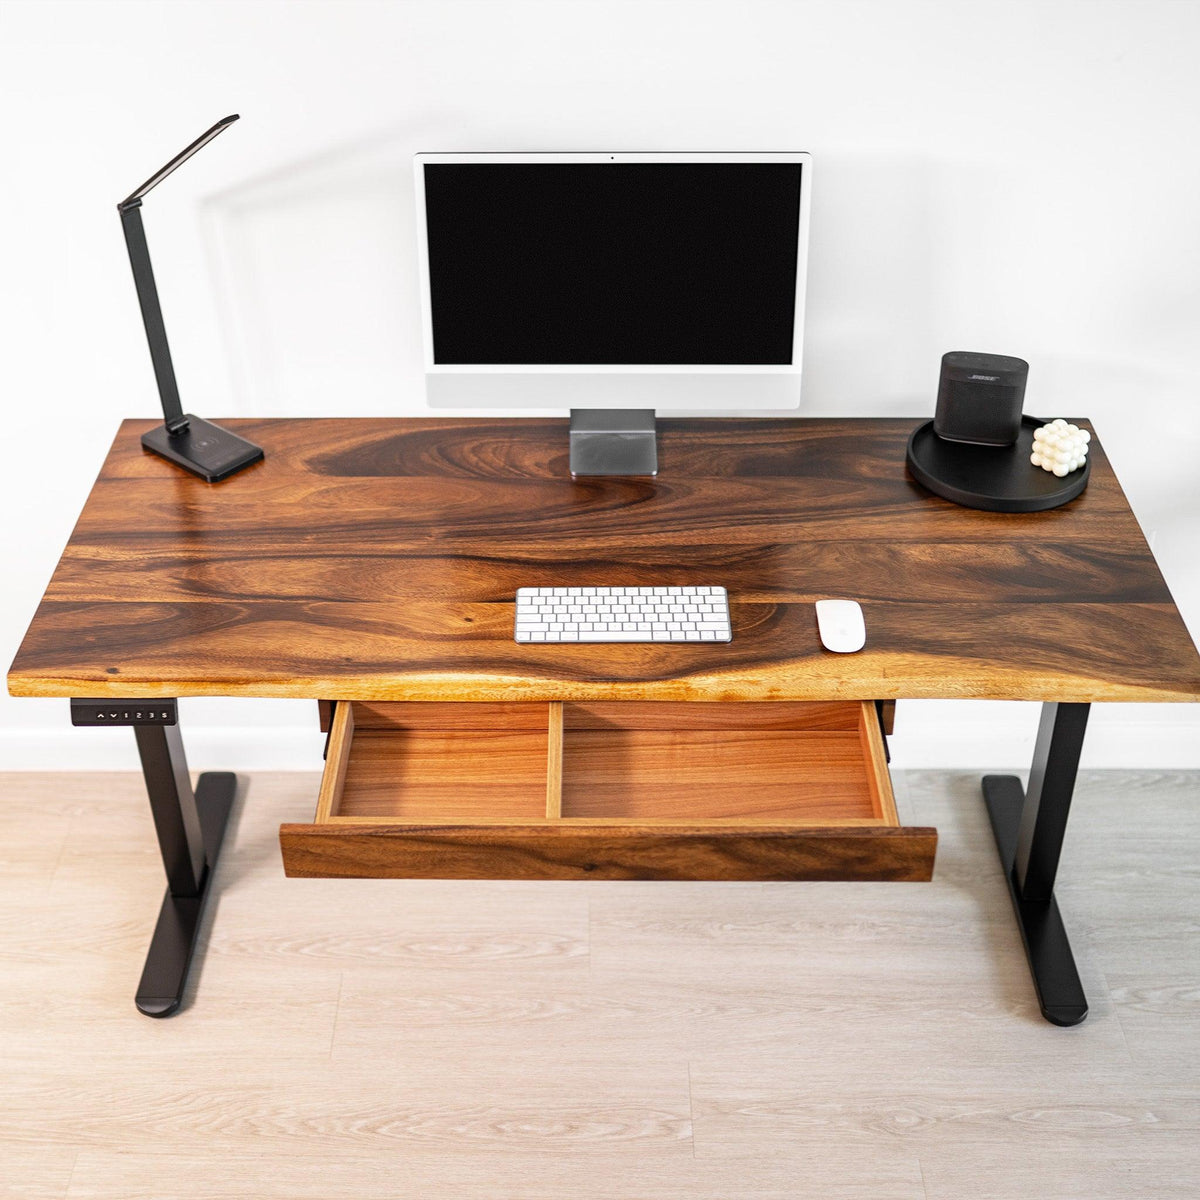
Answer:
[(191, 442)]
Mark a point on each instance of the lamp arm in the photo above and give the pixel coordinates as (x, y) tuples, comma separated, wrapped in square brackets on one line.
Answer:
[(152, 318)]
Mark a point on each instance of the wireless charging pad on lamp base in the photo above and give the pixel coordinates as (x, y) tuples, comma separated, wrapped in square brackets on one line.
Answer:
[(188, 441)]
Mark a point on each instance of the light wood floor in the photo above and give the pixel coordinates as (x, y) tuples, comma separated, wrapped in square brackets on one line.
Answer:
[(693, 1041)]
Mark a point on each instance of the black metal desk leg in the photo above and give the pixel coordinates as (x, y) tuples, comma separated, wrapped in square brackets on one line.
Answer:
[(190, 828), (1029, 828)]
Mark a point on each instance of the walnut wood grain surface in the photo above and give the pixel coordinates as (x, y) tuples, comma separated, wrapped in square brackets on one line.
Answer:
[(378, 559), (568, 851)]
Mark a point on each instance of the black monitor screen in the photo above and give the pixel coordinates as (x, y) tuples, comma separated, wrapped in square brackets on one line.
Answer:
[(596, 263)]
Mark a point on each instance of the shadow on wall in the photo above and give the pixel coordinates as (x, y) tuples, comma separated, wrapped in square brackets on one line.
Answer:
[(316, 276), (873, 267), (1157, 473)]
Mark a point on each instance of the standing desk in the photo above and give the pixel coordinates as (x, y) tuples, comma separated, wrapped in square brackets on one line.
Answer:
[(371, 565)]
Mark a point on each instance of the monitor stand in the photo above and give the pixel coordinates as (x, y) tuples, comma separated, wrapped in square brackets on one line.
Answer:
[(613, 441)]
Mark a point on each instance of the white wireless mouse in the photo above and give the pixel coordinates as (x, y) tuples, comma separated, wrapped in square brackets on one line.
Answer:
[(840, 624)]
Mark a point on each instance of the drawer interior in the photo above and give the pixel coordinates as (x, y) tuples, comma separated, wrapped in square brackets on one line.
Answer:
[(807, 763)]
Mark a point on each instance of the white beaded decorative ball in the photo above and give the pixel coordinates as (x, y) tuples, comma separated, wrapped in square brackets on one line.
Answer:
[(1060, 447)]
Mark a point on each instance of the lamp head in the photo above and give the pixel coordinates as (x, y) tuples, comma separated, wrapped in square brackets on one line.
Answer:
[(135, 198)]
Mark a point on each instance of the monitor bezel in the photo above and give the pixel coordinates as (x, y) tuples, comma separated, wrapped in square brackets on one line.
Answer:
[(603, 157)]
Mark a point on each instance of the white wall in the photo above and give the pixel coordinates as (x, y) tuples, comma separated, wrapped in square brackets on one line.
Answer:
[(1012, 177)]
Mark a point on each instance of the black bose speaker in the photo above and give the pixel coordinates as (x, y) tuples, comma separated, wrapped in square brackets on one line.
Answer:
[(980, 398)]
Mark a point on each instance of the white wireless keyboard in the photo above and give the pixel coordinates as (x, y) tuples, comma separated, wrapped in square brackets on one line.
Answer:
[(622, 614)]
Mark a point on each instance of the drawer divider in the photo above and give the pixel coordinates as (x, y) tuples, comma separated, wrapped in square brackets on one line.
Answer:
[(554, 753)]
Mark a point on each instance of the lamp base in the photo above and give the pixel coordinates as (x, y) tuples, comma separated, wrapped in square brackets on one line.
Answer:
[(203, 448)]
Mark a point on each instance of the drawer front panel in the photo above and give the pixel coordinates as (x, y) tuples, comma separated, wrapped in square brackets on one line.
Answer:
[(564, 851)]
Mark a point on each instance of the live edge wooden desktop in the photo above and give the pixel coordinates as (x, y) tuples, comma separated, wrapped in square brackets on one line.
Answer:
[(372, 565)]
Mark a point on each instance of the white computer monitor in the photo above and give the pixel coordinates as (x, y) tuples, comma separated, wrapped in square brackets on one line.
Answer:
[(594, 281)]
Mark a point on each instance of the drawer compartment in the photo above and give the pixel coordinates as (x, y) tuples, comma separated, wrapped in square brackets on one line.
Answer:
[(612, 790), (428, 762), (808, 762)]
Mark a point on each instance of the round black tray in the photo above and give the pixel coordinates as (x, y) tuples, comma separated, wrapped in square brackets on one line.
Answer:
[(996, 478)]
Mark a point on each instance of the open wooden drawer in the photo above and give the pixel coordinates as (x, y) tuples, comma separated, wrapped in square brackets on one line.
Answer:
[(612, 790)]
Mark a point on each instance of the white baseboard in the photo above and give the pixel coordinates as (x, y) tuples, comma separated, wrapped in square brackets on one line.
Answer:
[(983, 735), (930, 734), (209, 748)]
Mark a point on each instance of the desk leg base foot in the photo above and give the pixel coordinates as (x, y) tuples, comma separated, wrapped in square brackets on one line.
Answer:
[(160, 992), (1059, 991)]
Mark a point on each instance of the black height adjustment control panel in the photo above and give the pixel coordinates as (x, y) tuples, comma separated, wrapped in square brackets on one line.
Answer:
[(123, 712)]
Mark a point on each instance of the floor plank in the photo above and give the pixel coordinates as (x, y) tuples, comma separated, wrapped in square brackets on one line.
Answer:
[(1164, 1170), (533, 1176)]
